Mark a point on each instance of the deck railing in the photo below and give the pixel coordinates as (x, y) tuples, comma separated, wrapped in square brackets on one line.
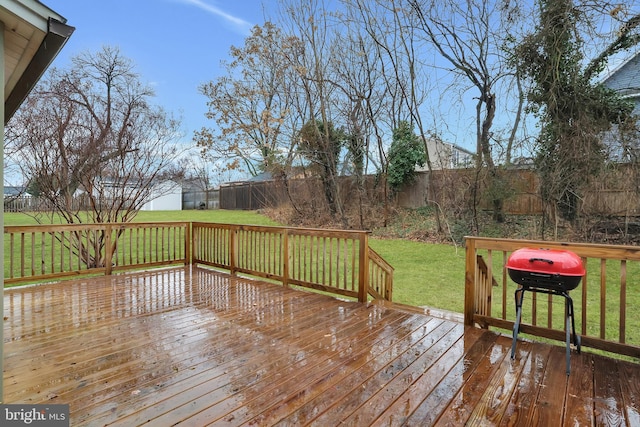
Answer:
[(335, 261), (607, 300), (380, 277), (45, 252)]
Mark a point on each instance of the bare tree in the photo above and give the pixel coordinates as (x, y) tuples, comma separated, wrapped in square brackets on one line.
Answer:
[(405, 82), (441, 50), (468, 36), (308, 22), (370, 68), (249, 105), (91, 145)]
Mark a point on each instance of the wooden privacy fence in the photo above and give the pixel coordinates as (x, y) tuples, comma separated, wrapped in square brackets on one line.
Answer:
[(607, 300), (335, 261), (613, 194)]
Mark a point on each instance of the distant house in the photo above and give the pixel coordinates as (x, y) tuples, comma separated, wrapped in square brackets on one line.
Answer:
[(162, 196), (16, 199), (625, 79), (261, 177), (444, 155), (13, 191)]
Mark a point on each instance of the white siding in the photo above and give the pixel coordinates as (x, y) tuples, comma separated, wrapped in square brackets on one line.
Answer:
[(166, 196)]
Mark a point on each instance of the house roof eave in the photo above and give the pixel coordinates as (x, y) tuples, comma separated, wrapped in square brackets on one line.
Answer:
[(40, 34)]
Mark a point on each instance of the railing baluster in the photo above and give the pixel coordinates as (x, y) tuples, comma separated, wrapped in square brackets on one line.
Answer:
[(337, 263), (354, 268), (534, 308), (65, 258), (22, 259), (317, 242), (33, 253), (603, 297), (585, 285), (42, 253), (487, 291), (504, 284), (124, 252), (330, 261), (623, 301), (11, 255)]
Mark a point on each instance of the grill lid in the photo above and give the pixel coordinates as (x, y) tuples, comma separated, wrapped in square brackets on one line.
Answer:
[(546, 261)]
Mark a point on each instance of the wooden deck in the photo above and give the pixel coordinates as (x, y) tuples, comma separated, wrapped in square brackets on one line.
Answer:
[(194, 347)]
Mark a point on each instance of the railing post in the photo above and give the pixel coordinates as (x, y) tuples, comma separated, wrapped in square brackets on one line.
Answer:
[(285, 258), (388, 286), (108, 256), (363, 276), (233, 249), (469, 281), (189, 243)]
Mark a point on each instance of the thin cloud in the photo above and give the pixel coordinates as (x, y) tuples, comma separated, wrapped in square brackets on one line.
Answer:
[(238, 23)]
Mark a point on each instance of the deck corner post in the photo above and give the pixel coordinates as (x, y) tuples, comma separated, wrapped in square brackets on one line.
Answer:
[(363, 277), (469, 281)]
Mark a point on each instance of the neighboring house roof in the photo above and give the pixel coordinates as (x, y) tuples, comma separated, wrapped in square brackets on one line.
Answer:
[(264, 176), (12, 191), (625, 79), (33, 37), (461, 149)]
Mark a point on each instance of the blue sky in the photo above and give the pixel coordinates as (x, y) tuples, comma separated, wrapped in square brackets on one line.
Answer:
[(176, 45)]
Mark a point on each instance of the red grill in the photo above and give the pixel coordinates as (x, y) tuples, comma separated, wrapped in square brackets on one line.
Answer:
[(550, 271)]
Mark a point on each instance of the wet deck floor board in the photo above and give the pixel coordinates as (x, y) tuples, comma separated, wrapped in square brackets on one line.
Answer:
[(191, 346)]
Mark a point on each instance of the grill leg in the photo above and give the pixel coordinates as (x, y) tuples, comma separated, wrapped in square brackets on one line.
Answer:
[(571, 329), (519, 296), (576, 337), (568, 337)]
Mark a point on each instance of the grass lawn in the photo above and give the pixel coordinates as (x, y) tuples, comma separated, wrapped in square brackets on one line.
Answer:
[(219, 216), (426, 274)]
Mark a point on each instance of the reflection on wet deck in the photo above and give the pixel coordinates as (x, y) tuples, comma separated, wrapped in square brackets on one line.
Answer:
[(192, 346)]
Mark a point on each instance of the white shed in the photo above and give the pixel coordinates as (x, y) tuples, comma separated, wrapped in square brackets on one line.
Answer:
[(165, 196)]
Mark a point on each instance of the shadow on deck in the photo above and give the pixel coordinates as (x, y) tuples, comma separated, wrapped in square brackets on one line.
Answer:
[(193, 346)]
